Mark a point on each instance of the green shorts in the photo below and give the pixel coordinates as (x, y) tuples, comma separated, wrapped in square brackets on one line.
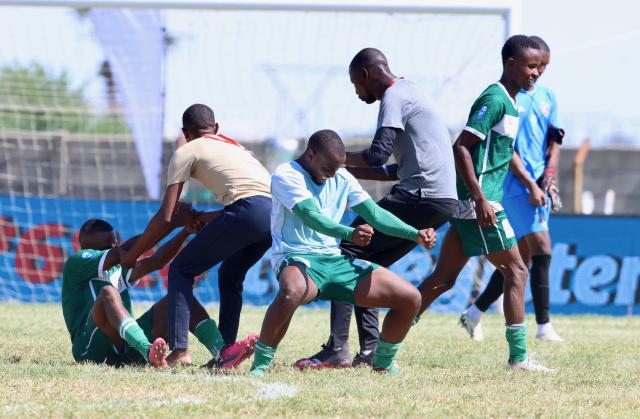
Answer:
[(92, 345), (335, 276), (478, 240)]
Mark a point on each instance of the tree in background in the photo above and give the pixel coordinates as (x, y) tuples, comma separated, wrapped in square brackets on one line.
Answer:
[(32, 99)]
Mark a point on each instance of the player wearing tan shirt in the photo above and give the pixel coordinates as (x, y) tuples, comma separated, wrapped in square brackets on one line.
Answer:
[(223, 166), (238, 235)]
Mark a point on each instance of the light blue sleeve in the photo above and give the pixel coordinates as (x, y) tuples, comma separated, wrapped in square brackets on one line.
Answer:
[(288, 187), (356, 194), (553, 112)]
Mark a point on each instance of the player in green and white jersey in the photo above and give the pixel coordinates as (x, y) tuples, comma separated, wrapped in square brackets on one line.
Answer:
[(97, 308), (484, 153)]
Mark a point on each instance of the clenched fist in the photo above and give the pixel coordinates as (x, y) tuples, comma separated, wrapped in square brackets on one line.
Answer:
[(362, 235), (427, 237)]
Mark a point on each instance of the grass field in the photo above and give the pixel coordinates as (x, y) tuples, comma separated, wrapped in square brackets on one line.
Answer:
[(444, 374)]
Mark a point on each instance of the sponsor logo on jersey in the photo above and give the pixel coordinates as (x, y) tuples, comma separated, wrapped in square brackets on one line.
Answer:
[(533, 118), (481, 112), (545, 108), (86, 255)]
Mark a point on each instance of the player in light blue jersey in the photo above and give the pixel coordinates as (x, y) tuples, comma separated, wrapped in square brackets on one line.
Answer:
[(310, 195), (538, 144)]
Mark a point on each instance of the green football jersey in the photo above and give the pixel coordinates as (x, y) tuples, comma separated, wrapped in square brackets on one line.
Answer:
[(82, 278), (494, 119)]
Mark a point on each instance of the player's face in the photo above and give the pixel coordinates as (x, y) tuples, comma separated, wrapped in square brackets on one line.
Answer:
[(545, 58), (324, 165), (360, 82), (526, 68)]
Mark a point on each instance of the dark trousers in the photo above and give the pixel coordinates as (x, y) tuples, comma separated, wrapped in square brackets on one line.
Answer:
[(238, 239), (385, 250)]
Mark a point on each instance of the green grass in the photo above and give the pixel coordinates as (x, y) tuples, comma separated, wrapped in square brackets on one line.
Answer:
[(443, 374)]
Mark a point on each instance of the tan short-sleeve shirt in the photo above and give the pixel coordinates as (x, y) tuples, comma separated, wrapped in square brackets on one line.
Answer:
[(228, 170)]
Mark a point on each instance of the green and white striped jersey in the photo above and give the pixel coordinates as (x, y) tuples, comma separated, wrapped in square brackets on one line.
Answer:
[(83, 276), (493, 119)]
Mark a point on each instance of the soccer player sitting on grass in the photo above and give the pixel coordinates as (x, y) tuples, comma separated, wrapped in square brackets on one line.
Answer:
[(310, 196), (97, 308), (483, 154)]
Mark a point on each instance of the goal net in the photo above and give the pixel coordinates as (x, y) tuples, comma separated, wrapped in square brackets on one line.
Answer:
[(273, 76)]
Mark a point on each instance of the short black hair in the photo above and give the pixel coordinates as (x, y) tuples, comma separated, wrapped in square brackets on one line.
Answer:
[(543, 45), (94, 225), (326, 140), (514, 46), (198, 117), (368, 57)]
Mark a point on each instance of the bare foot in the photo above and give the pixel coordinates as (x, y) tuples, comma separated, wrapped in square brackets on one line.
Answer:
[(179, 358)]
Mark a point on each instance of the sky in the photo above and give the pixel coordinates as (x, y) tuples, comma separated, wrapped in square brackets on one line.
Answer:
[(274, 75)]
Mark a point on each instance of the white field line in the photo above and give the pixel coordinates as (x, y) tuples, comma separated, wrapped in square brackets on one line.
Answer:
[(264, 391)]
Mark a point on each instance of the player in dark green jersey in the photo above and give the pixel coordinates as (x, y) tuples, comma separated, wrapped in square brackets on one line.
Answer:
[(484, 154), (97, 308)]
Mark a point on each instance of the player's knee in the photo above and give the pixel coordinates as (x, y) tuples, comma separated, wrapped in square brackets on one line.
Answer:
[(516, 273), (541, 247), (290, 294), (414, 300), (108, 294)]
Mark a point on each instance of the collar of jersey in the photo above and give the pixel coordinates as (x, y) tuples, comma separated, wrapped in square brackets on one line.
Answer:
[(504, 89)]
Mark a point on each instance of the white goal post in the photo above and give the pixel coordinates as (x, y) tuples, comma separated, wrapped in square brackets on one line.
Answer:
[(510, 9), (274, 71)]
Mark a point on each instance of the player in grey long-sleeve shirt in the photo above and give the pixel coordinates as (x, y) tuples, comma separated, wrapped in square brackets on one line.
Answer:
[(410, 128)]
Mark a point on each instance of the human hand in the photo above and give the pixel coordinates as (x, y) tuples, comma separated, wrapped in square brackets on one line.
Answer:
[(549, 179), (537, 197), (362, 235), (427, 237), (195, 226), (183, 215), (485, 215), (556, 202), (205, 218)]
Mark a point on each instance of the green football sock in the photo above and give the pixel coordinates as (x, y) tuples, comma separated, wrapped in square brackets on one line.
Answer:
[(209, 335), (262, 357), (385, 353), (133, 334), (517, 338), (416, 320)]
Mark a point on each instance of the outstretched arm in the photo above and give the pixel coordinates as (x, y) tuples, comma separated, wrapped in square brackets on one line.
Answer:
[(113, 257), (311, 216), (378, 153), (160, 257), (170, 215), (384, 221), (385, 172), (387, 223)]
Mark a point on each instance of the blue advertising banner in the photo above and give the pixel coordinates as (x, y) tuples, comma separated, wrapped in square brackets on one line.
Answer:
[(595, 266)]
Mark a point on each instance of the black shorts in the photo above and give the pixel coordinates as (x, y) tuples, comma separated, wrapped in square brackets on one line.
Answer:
[(411, 208)]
